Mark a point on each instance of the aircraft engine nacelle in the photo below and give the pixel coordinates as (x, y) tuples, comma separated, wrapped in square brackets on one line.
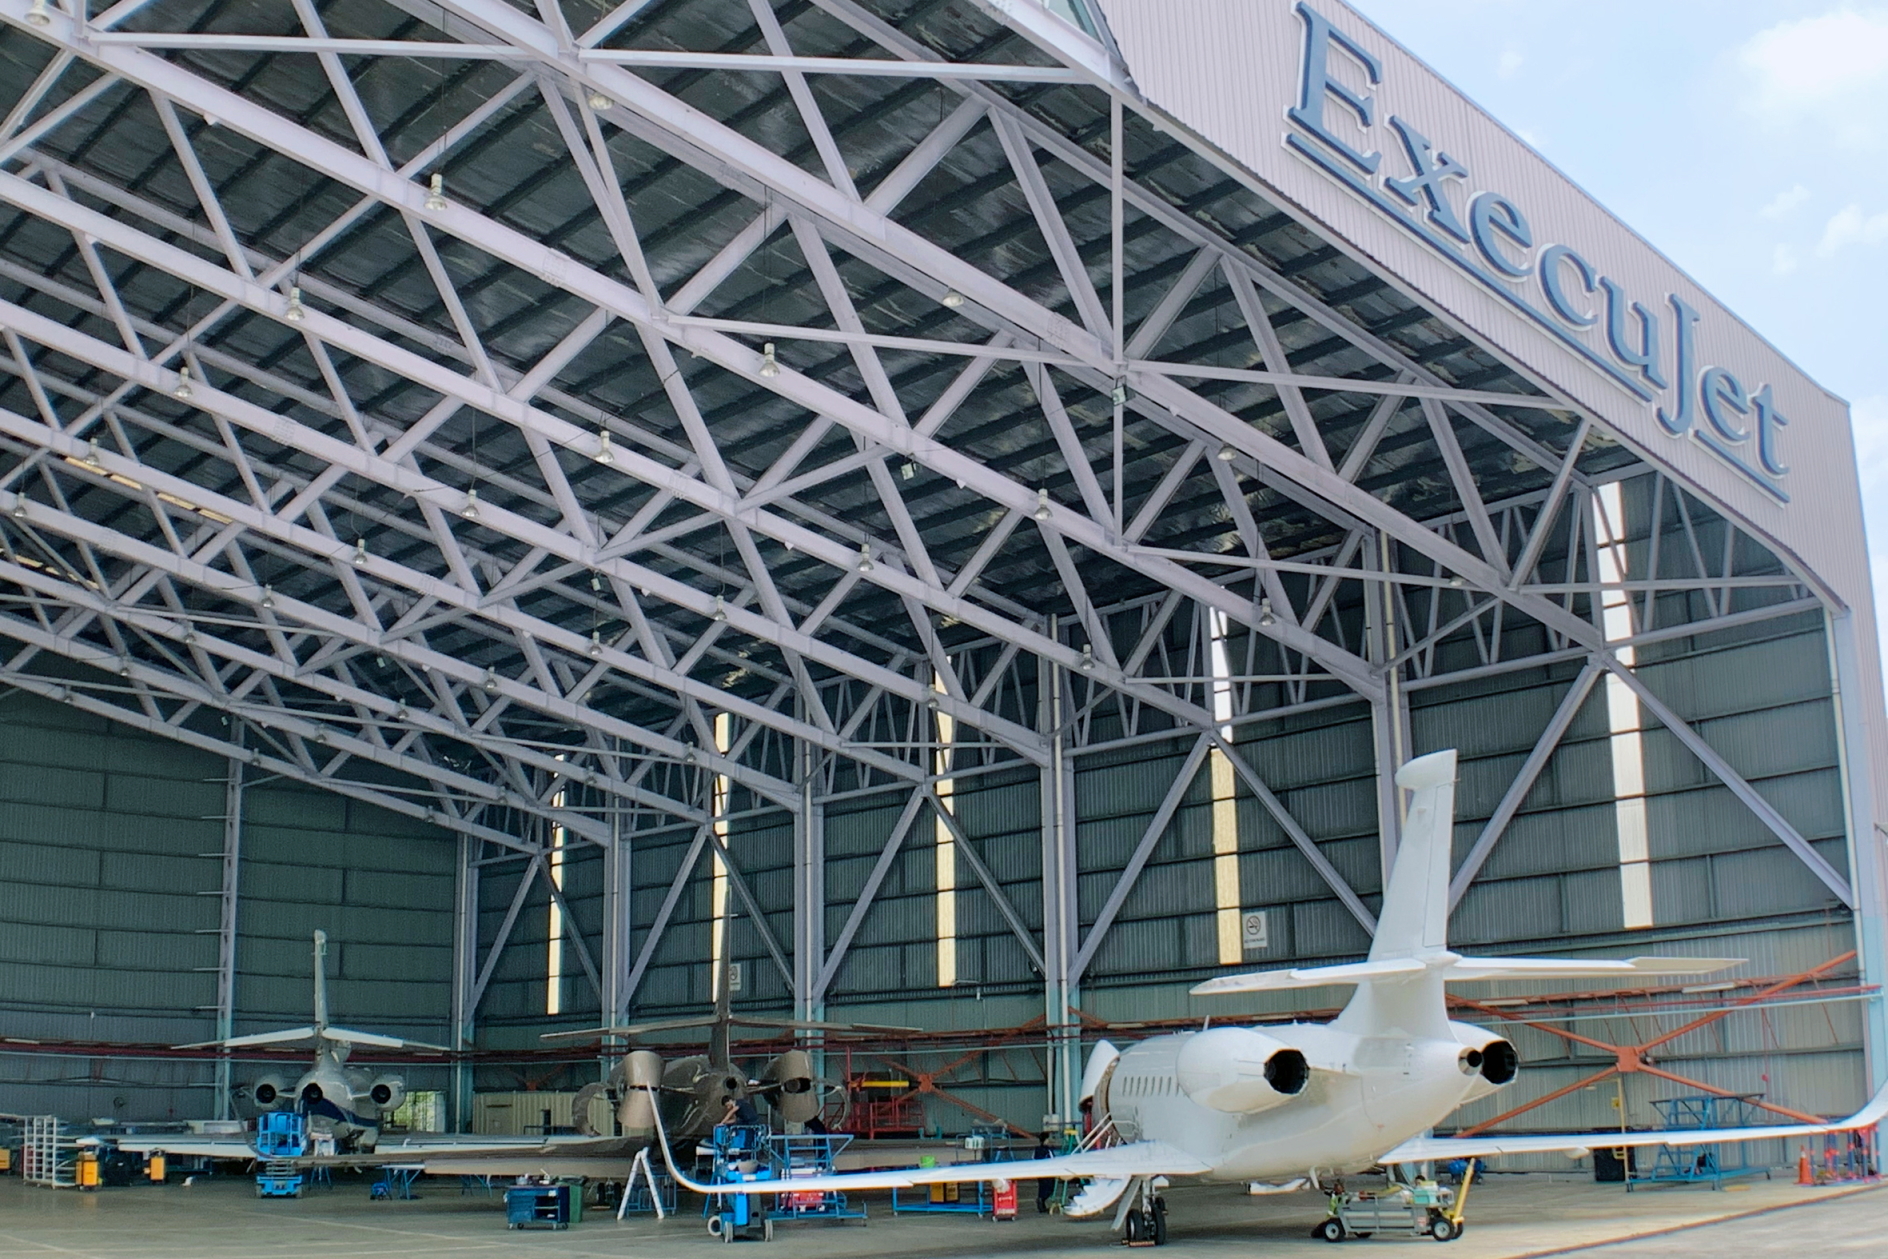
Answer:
[(793, 1092), (1240, 1070), (387, 1092), (635, 1106), (1489, 1059), (272, 1092)]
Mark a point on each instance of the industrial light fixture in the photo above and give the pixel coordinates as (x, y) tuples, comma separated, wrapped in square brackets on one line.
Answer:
[(1265, 613), (596, 644), (1120, 395), (1042, 504), (182, 391), (19, 507), (688, 757), (907, 469), (604, 453), (190, 638), (596, 585), (600, 102), (1457, 581), (1088, 658), (296, 312), (360, 552), (953, 299), (1227, 454), (769, 365), (39, 15), (865, 558), (380, 662), (124, 668), (401, 713), (91, 452), (268, 597), (721, 609), (471, 509), (436, 192), (491, 680)]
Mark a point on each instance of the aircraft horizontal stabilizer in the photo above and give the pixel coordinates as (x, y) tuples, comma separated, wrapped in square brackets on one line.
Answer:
[(1463, 969), (1468, 968), (634, 1029), (288, 1037), (346, 1037), (1425, 1149), (1309, 977)]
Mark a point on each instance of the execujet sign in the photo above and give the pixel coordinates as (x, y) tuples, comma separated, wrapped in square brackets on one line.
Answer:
[(1648, 350)]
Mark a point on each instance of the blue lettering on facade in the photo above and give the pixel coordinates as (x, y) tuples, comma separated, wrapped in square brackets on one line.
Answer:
[(1496, 247)]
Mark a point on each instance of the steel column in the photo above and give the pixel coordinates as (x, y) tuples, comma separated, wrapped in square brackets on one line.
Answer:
[(226, 920)]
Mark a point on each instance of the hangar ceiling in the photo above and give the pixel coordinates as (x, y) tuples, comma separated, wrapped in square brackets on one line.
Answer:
[(462, 405)]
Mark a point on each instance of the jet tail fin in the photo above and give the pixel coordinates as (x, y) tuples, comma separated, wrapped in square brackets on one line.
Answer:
[(1415, 916)]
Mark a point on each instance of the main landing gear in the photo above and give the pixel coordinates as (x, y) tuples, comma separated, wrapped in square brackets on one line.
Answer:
[(1145, 1220)]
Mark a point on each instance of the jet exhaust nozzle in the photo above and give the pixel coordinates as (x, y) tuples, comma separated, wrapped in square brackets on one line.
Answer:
[(388, 1092), (271, 1092), (1240, 1070), (1490, 1062)]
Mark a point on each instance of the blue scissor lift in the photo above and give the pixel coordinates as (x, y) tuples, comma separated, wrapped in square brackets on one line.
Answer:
[(280, 1135), (740, 1153)]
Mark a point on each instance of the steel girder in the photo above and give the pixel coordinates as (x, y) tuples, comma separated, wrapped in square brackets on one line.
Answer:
[(1489, 548)]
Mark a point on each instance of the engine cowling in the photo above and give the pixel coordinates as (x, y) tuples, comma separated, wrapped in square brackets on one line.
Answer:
[(792, 1091), (387, 1092), (1240, 1070), (640, 1072), (1489, 1059), (271, 1092)]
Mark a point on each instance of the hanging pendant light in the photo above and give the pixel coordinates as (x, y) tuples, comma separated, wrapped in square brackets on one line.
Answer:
[(436, 192), (769, 365), (182, 391), (296, 312), (1042, 504)]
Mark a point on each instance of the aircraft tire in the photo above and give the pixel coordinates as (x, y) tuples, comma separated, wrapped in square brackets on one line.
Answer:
[(1134, 1226), (1159, 1229), (1331, 1230)]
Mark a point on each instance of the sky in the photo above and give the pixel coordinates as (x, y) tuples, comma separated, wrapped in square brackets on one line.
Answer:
[(1745, 139)]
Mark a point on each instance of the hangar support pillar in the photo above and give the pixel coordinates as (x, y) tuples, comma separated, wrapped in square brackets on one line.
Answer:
[(226, 921), (465, 948), (1848, 684)]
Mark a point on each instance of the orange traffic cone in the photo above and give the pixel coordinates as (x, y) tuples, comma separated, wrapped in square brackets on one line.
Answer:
[(1803, 1176)]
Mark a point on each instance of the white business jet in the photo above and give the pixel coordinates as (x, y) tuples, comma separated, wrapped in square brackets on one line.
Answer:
[(1263, 1104)]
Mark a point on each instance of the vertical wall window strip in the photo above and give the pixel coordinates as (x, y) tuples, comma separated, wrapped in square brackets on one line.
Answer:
[(554, 944), (1623, 719), (1226, 900), (719, 896), (946, 852)]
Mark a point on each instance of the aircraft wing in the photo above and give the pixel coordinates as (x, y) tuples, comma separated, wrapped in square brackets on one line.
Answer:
[(1119, 1162), (1425, 1149), (375, 1040), (189, 1145)]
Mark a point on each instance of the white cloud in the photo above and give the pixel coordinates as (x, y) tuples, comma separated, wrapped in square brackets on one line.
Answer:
[(1784, 202), (1510, 63), (1783, 260), (1850, 227), (1814, 60), (1829, 73)]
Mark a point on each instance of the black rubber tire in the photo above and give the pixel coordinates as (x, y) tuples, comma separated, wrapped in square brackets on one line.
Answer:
[(1160, 1223), (1460, 1227), (1442, 1229), (714, 1226), (1331, 1230), (1133, 1233)]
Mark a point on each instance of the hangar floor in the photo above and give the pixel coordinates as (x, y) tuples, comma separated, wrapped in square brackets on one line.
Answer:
[(1511, 1217)]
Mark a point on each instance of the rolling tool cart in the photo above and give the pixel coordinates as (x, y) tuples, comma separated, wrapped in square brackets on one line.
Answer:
[(1422, 1209)]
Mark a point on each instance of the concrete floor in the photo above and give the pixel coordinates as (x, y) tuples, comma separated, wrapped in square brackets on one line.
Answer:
[(1509, 1217)]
